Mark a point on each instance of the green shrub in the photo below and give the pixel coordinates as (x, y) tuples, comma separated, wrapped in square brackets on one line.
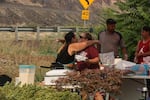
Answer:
[(131, 16), (34, 92)]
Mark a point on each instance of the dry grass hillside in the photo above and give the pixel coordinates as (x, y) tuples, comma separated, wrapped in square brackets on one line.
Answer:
[(46, 12)]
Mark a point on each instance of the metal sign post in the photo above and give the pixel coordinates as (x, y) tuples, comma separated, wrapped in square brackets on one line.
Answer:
[(84, 25), (85, 16)]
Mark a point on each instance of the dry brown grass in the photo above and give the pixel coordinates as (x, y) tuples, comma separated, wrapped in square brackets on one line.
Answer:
[(38, 53), (9, 64)]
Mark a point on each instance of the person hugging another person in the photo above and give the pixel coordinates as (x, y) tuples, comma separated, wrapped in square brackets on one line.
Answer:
[(66, 54), (89, 57)]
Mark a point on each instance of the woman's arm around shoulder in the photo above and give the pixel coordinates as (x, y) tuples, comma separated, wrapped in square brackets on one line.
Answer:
[(76, 47)]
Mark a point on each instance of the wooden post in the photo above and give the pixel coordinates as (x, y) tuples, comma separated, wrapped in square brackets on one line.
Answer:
[(77, 29), (84, 23), (38, 33), (58, 28), (16, 33)]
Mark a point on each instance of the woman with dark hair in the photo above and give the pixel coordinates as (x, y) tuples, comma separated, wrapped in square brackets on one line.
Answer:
[(66, 54), (63, 56)]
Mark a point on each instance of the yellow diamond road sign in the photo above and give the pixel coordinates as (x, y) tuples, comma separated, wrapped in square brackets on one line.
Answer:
[(85, 15), (86, 3)]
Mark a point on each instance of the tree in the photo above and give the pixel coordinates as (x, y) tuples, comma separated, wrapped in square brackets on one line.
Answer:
[(131, 17)]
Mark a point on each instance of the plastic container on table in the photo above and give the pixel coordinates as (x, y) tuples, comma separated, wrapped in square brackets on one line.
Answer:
[(26, 74)]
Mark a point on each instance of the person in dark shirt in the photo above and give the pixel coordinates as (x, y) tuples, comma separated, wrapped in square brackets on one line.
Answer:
[(112, 40), (67, 52), (89, 57)]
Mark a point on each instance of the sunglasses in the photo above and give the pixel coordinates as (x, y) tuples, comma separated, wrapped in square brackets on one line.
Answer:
[(81, 37)]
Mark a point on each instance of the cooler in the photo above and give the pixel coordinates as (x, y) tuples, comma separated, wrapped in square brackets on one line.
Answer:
[(53, 75)]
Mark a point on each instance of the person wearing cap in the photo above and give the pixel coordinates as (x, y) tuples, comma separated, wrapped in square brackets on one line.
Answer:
[(112, 40)]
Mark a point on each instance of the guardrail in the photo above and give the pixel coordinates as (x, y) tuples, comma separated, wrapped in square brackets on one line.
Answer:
[(16, 30)]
